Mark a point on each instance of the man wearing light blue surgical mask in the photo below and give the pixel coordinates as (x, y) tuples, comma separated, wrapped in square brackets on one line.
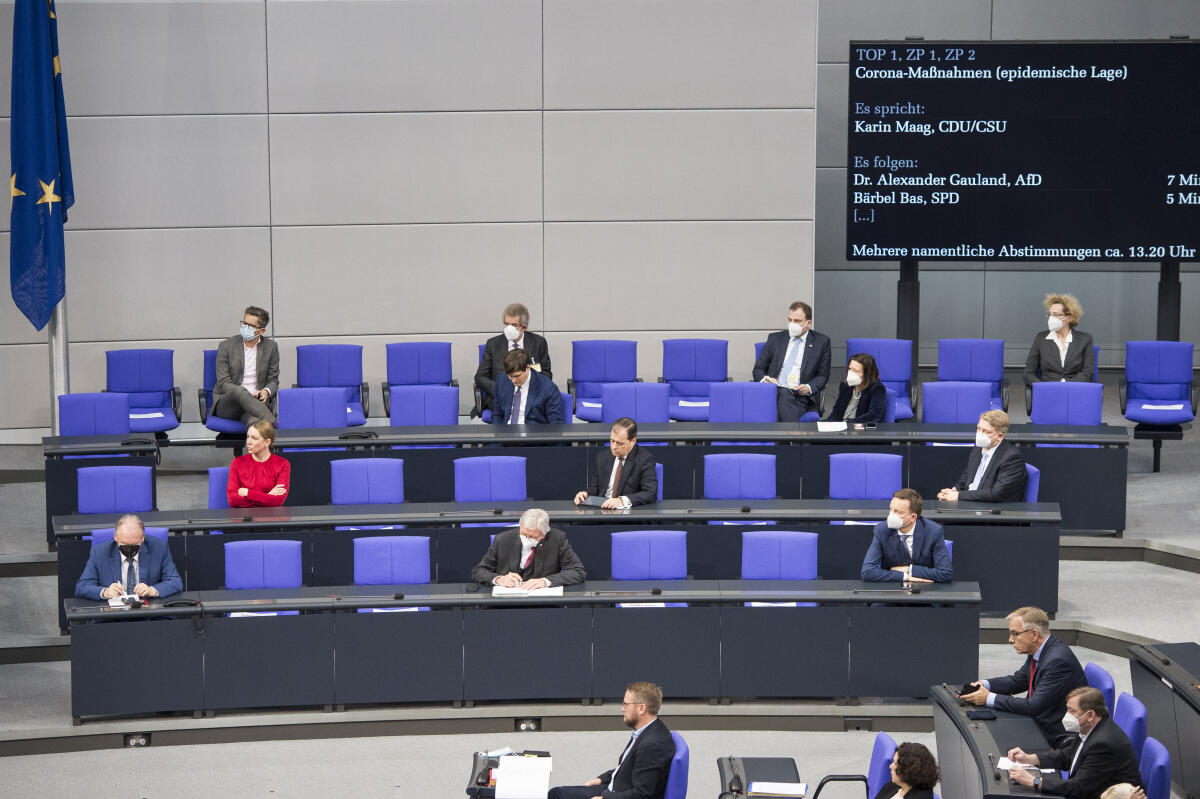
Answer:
[(247, 371), (797, 360), (995, 469)]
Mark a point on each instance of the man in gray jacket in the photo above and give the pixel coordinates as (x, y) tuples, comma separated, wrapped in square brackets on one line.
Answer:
[(247, 372)]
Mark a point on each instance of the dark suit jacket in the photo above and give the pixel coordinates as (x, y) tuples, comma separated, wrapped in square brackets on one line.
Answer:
[(814, 369), (639, 481), (644, 771), (891, 789), (542, 406), (231, 362), (155, 568), (870, 405), (1107, 758), (1043, 357), (930, 559), (1058, 673), (553, 559), (491, 367), (1004, 480)]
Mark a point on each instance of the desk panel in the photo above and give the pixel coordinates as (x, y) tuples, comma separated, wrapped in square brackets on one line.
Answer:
[(502, 650), (896, 651), (399, 657), (967, 750), (679, 649), (269, 661), (770, 651)]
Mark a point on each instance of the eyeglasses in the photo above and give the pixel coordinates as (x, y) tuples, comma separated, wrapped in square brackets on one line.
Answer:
[(1013, 636), (1059, 315), (254, 325), (627, 704)]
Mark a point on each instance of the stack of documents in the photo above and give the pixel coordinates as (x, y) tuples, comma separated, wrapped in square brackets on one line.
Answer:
[(784, 789), (520, 777)]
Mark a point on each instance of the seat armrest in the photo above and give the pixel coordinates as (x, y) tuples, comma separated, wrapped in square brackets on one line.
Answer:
[(177, 403), (1122, 391), (638, 380), (1004, 392), (387, 399), (662, 379), (478, 409), (1029, 401), (364, 393), (1195, 396), (200, 400), (843, 778), (571, 386), (454, 382), (821, 402)]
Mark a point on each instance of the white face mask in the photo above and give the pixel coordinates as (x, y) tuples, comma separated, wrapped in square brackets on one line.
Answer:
[(1070, 723), (1054, 323), (853, 379), (796, 329), (247, 332), (981, 440), (511, 333), (894, 520)]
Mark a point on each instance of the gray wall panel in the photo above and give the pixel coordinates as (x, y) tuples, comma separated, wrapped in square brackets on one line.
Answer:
[(389, 168), (628, 165), (393, 280), (392, 56), (843, 20), (187, 171), (661, 276), (832, 114), (24, 400), (680, 54), (1094, 19)]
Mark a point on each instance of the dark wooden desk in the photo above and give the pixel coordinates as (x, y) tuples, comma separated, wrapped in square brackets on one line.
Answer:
[(968, 750), (1166, 678)]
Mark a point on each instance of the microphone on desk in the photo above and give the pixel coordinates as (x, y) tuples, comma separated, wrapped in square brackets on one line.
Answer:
[(994, 511), (398, 595), (745, 509), (656, 591), (497, 511)]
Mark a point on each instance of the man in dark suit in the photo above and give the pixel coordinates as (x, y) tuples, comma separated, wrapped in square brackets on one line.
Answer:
[(247, 372), (624, 473), (129, 564), (516, 336), (797, 360), (645, 764), (1099, 756), (525, 396), (995, 469), (1050, 672), (535, 555), (915, 552)]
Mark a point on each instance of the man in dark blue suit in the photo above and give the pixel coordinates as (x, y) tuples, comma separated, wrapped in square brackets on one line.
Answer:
[(129, 564), (527, 396), (915, 551), (797, 360)]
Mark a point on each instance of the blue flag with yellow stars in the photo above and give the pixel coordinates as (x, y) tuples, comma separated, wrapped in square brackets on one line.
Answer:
[(40, 186)]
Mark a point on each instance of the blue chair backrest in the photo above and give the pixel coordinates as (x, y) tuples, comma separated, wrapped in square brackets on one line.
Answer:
[(649, 555), (1158, 370), (949, 548), (311, 407), (596, 362), (954, 402), (878, 772), (568, 402), (1155, 768), (418, 363), (893, 356), (366, 481), (977, 360), (758, 347), (115, 489), (1095, 363), (779, 555), (742, 402), (424, 405), (865, 475), (691, 365), (218, 487), (391, 560), (147, 376), (677, 777), (494, 478), (658, 472), (330, 365), (263, 564), (96, 414), (1033, 478), (1130, 716), (645, 403), (105, 534), (889, 406), (739, 476), (1097, 677), (1067, 403)]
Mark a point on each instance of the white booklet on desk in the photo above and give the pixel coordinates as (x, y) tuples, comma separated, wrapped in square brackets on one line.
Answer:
[(520, 777), (500, 590)]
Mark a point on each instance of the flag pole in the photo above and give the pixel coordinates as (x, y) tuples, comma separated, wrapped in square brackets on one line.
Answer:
[(60, 372)]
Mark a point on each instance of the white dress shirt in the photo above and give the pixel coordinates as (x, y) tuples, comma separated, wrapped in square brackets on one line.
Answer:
[(1062, 349), (250, 371), (795, 342)]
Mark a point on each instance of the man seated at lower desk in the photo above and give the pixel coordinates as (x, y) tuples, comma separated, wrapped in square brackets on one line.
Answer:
[(535, 555), (1096, 754), (129, 564), (624, 473), (995, 469), (526, 396), (915, 552)]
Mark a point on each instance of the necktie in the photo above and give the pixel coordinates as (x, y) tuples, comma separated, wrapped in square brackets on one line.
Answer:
[(616, 488), (907, 537), (514, 416), (984, 459), (529, 559), (789, 362), (1032, 671), (130, 575)]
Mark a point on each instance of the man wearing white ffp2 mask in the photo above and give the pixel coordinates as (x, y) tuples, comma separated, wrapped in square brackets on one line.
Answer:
[(907, 547), (797, 360), (514, 335), (995, 469)]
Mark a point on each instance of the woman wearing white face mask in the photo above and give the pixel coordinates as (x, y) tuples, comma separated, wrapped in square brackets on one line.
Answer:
[(1065, 352), (861, 397)]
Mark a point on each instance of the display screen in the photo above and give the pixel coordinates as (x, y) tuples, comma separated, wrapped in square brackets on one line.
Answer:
[(1023, 151)]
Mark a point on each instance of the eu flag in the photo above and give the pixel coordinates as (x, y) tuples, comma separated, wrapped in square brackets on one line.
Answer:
[(41, 185)]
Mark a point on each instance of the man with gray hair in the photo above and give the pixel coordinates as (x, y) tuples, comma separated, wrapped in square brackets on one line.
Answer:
[(535, 555), (1050, 672), (515, 336), (129, 564)]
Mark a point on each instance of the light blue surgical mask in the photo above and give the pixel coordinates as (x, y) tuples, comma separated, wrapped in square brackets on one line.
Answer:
[(247, 332)]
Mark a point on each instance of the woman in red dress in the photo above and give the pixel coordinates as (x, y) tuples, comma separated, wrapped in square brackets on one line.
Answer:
[(258, 478)]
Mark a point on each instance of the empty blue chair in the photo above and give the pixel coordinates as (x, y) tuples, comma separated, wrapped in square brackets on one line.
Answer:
[(1130, 716), (416, 363), (218, 484), (204, 395), (1097, 677), (98, 414), (691, 366), (148, 377), (647, 403), (649, 555), (496, 478), (391, 560), (878, 770), (865, 475), (893, 356), (1157, 391), (115, 489), (263, 564), (1033, 477), (105, 534), (739, 476), (975, 360), (366, 481), (311, 408), (1067, 403), (779, 555), (954, 402), (1155, 768), (742, 402), (595, 363), (677, 777), (335, 366), (420, 405)]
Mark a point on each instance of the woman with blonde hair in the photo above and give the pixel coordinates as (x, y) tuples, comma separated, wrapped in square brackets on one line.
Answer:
[(1065, 352)]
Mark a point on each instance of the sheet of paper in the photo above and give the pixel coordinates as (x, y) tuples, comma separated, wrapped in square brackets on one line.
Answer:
[(521, 777), (831, 427), (1178, 407), (587, 404), (1004, 764), (159, 415), (771, 604), (797, 789), (691, 404), (499, 590)]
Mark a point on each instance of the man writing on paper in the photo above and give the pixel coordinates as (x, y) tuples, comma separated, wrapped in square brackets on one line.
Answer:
[(525, 396), (915, 552), (797, 360), (995, 470), (535, 555), (129, 564), (644, 766), (516, 336), (247, 371), (625, 474)]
